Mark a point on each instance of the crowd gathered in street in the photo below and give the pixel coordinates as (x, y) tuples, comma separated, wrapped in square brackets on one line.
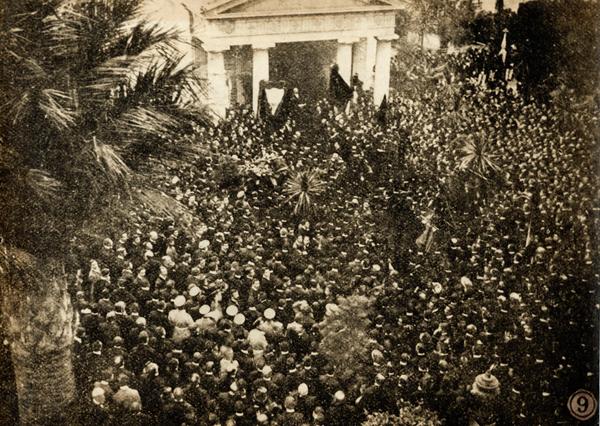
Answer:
[(463, 212)]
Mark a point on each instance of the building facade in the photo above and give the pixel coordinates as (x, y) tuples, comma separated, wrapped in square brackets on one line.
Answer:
[(239, 43)]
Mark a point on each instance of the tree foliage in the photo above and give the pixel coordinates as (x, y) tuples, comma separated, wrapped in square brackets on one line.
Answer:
[(344, 330), (556, 42), (81, 103), (448, 18), (301, 188)]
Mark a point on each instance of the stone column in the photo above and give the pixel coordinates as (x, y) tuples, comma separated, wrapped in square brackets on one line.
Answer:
[(359, 56), (218, 90), (383, 58), (344, 58), (260, 70), (370, 54), (239, 89)]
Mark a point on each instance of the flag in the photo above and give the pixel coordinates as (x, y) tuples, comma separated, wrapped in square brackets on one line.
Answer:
[(282, 110), (528, 239), (264, 109), (274, 96), (381, 114), (285, 106), (503, 51), (339, 91), (425, 240)]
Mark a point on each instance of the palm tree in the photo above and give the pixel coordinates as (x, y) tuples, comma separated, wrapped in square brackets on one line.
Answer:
[(81, 103), (301, 188), (476, 157)]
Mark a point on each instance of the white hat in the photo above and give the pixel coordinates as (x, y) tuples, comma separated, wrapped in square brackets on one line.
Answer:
[(179, 301), (194, 291), (261, 417), (203, 244), (231, 310), (303, 389), (107, 244), (466, 282), (204, 309), (269, 313), (239, 319), (153, 235), (340, 395), (140, 321), (97, 391)]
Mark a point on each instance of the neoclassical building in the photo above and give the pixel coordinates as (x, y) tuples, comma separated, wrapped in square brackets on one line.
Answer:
[(239, 43)]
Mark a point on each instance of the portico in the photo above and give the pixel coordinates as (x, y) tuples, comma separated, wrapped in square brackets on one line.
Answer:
[(362, 29)]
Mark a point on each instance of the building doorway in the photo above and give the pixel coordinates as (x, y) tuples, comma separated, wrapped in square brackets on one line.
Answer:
[(304, 65)]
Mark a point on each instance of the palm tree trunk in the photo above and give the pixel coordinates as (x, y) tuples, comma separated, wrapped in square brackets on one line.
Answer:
[(38, 316)]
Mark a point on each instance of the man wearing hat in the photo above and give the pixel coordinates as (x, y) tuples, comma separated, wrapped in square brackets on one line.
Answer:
[(376, 397), (94, 363), (98, 411), (181, 320), (178, 411), (341, 413), (305, 402), (142, 353), (150, 387), (269, 325), (290, 417), (125, 397), (484, 405), (109, 328)]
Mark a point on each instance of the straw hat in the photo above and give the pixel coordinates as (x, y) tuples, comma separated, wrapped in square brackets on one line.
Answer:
[(303, 389), (239, 319), (486, 384), (179, 301)]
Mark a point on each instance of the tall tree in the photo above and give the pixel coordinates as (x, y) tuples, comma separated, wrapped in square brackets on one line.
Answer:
[(81, 103), (447, 18)]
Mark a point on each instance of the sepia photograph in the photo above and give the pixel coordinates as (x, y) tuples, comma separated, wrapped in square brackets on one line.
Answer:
[(299, 212)]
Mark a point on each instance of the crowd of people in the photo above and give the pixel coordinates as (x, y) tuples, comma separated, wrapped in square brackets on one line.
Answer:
[(220, 320)]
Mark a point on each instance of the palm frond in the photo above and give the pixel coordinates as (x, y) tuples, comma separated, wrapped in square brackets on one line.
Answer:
[(143, 121), (15, 108), (51, 102), (302, 187), (164, 205), (136, 38), (163, 80), (110, 74), (44, 186), (61, 30), (477, 157), (113, 164)]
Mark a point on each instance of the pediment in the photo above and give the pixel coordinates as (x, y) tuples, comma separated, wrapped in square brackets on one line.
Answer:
[(235, 8)]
